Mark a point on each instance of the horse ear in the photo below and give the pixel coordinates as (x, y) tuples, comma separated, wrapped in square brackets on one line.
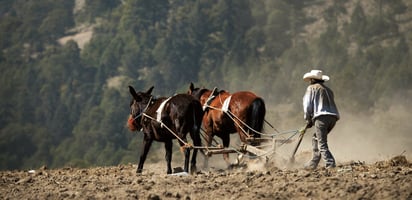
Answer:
[(149, 91), (192, 87), (133, 93)]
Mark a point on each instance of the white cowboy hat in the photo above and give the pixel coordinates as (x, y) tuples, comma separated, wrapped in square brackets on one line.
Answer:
[(315, 74)]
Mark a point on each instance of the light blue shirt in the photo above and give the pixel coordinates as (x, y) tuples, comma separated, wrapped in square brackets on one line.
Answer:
[(319, 100)]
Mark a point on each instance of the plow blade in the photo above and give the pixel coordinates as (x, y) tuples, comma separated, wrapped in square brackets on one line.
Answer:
[(254, 150)]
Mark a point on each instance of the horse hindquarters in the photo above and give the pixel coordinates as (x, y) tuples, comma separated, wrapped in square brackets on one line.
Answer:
[(186, 114), (256, 116), (191, 121)]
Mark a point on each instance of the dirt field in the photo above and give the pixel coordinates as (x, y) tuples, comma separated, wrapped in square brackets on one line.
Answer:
[(389, 179)]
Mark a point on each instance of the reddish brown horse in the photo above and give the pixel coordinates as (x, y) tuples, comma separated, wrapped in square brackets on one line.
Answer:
[(244, 114), (179, 115)]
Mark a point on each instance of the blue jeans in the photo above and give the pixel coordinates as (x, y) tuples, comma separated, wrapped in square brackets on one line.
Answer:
[(323, 125)]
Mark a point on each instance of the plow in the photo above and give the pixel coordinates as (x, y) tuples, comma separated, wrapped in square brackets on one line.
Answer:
[(269, 144)]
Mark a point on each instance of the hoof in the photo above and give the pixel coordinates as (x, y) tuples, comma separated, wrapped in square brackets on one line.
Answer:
[(193, 169), (177, 170)]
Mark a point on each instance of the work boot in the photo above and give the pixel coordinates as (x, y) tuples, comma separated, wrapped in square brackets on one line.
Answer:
[(330, 166), (309, 166)]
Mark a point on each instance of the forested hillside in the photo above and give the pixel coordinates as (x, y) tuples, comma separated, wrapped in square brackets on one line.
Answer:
[(66, 64)]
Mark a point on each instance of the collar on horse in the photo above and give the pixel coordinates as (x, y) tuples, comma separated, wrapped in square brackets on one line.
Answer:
[(160, 109), (209, 100)]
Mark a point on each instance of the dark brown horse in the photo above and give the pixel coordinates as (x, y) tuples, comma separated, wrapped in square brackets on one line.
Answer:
[(242, 112), (177, 116)]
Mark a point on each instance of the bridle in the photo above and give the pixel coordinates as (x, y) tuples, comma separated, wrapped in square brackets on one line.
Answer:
[(141, 113)]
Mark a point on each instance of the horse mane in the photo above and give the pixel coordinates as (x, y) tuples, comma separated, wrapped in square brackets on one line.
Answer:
[(222, 91), (203, 90)]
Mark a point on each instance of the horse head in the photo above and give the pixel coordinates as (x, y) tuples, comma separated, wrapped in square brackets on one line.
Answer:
[(195, 92), (138, 105), (200, 94)]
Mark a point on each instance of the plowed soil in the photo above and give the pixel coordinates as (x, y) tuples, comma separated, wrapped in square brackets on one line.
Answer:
[(389, 179)]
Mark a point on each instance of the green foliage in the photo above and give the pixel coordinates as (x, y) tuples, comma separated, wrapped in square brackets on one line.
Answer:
[(19, 146), (94, 9), (62, 105)]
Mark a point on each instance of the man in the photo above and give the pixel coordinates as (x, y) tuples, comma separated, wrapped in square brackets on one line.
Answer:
[(319, 110)]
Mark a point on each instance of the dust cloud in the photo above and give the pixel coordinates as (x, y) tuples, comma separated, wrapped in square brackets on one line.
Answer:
[(379, 134)]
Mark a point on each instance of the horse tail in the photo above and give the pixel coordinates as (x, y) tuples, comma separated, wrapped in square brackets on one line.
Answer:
[(256, 117), (197, 112)]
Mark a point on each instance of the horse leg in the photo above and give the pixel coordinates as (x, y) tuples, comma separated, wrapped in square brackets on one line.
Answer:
[(197, 142), (193, 167), (187, 158), (145, 149), (181, 129), (186, 152), (226, 141), (168, 156), (208, 139)]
